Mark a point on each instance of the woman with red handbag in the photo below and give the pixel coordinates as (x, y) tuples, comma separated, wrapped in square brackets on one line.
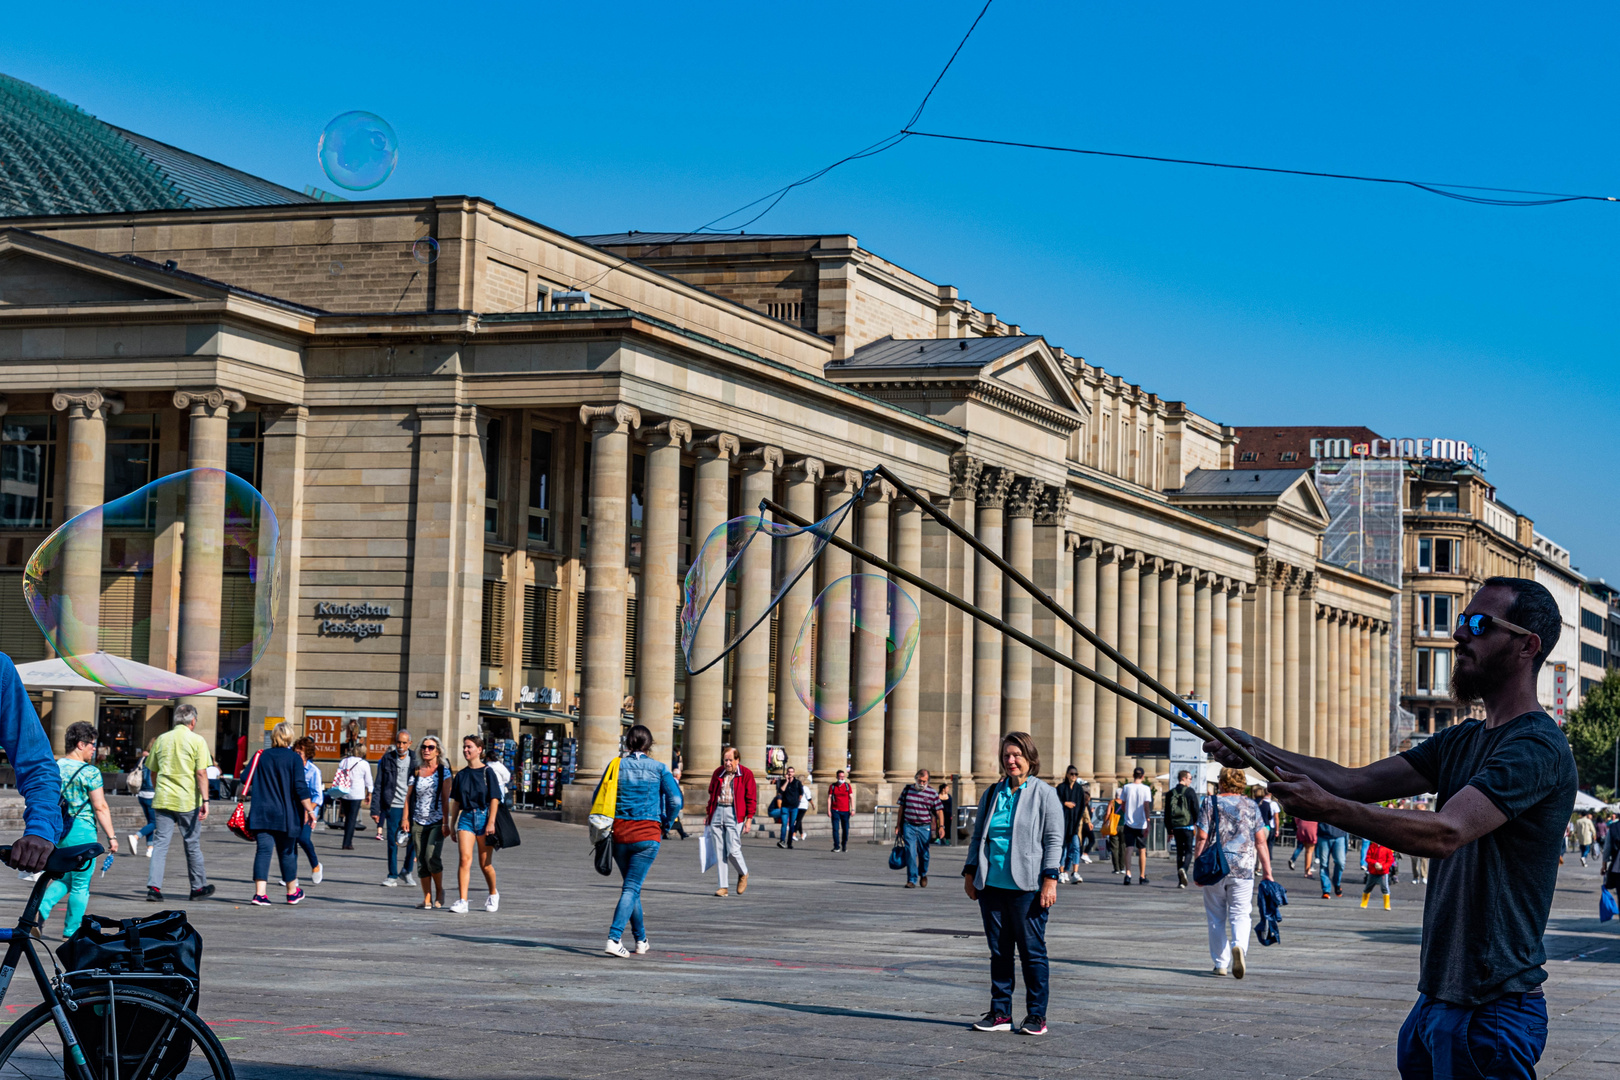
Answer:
[(281, 805)]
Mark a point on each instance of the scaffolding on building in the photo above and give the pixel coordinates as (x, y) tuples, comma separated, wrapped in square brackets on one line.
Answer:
[(1365, 500)]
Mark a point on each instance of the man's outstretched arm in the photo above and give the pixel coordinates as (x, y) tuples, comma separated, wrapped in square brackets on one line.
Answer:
[(1466, 817), (1389, 778)]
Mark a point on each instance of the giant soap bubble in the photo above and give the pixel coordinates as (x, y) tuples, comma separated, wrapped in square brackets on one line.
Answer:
[(358, 150), (854, 647), (230, 583), (717, 585)]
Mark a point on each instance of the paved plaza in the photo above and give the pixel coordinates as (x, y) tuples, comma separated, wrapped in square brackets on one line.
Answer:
[(826, 968)]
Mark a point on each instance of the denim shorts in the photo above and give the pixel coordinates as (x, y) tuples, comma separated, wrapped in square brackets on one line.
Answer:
[(472, 821)]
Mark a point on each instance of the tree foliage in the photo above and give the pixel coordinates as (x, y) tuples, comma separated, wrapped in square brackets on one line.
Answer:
[(1592, 730)]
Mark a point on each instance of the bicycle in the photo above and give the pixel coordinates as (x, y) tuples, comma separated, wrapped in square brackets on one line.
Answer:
[(97, 1024)]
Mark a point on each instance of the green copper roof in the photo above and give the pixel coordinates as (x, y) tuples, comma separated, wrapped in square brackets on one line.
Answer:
[(55, 158)]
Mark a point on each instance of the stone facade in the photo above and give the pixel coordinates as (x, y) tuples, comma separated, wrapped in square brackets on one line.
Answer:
[(521, 478)]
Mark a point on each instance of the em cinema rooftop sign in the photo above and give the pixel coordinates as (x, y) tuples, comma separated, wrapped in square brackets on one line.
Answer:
[(1409, 449)]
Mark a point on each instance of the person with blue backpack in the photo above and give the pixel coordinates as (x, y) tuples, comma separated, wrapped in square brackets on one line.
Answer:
[(1231, 843)]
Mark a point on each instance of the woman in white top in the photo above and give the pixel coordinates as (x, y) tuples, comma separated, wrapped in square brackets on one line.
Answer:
[(354, 780), (1235, 819)]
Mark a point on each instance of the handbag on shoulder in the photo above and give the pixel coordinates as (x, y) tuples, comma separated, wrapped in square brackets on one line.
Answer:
[(1211, 866), (238, 823), (506, 831)]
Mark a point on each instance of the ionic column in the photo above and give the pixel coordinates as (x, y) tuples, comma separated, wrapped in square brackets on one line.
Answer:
[(961, 563), (1358, 701), (1234, 654), (1049, 699), (1309, 719), (1364, 689), (1384, 747), (792, 718), (751, 674), (1106, 754), (1082, 691), (79, 618), (1346, 714), (1130, 631), (1290, 640), (1152, 637), (602, 690), (901, 741), (987, 642), (1322, 714), (658, 598), (1257, 655), (834, 663), (1186, 593), (871, 662), (1217, 650), (1276, 649), (706, 691), (1168, 644), (1017, 660), (1202, 683)]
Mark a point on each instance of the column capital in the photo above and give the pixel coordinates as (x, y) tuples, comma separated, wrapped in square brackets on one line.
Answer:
[(1133, 560), (1307, 582), (87, 404), (965, 471), (1155, 564), (1051, 505), (1021, 496), (1222, 584), (808, 468), (993, 485), (617, 417), (1112, 552), (1076, 542), (215, 401), (842, 482), (761, 459), (1264, 567), (880, 492), (1237, 589), (666, 433), (1205, 579), (719, 445), (905, 505)]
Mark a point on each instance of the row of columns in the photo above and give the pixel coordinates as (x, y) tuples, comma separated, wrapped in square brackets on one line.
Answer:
[(198, 621), (1350, 691)]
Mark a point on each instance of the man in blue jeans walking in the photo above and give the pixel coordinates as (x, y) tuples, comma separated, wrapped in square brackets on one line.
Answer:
[(1330, 841), (1506, 787), (922, 819), (388, 803)]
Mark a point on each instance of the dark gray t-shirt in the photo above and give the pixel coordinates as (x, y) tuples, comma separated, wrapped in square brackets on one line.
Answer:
[(1486, 910)]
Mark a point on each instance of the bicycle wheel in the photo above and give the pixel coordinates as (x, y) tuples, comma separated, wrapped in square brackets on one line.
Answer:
[(152, 1038)]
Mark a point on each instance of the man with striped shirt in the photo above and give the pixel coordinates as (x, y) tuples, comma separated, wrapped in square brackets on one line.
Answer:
[(922, 819)]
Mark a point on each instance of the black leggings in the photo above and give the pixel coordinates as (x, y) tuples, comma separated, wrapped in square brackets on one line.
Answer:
[(285, 845), (351, 815)]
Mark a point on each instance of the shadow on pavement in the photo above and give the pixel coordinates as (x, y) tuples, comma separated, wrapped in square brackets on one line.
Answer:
[(859, 1014)]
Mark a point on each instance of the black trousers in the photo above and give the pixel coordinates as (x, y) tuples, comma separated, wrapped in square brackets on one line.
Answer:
[(1185, 840), (351, 814)]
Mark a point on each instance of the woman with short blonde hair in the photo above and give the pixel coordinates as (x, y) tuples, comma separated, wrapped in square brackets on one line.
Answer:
[(1232, 819), (281, 734)]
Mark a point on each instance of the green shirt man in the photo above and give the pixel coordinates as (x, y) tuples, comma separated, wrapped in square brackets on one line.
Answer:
[(179, 764)]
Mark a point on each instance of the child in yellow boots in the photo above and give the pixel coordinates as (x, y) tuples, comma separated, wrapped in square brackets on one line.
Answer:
[(1380, 860)]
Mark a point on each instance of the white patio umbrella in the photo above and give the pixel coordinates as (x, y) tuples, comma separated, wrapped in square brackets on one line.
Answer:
[(56, 674)]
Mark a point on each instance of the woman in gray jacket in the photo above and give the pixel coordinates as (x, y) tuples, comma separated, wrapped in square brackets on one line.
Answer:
[(1012, 869)]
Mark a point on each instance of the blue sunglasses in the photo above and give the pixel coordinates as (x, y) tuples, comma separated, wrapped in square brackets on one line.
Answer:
[(1479, 624)]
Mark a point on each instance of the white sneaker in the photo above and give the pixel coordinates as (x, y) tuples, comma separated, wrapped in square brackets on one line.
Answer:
[(316, 875), (1219, 970), (616, 948), (26, 876), (391, 883), (1063, 879), (148, 851), (492, 902), (641, 947), (458, 907), (1076, 879), (1085, 858), (410, 877), (134, 843)]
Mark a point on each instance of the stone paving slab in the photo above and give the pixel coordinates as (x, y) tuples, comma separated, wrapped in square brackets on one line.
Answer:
[(825, 967)]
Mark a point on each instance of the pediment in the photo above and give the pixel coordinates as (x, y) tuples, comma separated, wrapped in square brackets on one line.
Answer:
[(1303, 498), (1028, 374), (33, 281)]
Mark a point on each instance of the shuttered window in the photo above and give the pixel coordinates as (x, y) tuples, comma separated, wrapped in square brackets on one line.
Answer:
[(126, 615), (579, 634), (630, 623), (236, 596), (20, 638), (492, 638), (540, 629)]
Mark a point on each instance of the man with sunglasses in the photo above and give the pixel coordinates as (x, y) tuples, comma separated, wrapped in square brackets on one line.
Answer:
[(1506, 787), (394, 773)]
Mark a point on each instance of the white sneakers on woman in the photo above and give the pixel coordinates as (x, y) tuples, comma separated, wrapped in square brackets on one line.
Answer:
[(458, 907), (641, 947), (493, 902), (616, 948)]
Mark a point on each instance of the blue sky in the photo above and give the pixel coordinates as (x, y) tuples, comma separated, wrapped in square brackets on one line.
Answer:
[(1256, 299)]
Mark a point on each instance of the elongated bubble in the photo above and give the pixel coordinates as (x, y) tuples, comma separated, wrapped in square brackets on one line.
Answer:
[(93, 584), (855, 646), (724, 601)]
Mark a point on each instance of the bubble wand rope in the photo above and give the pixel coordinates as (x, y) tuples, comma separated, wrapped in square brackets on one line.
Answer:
[(1204, 727), (784, 514)]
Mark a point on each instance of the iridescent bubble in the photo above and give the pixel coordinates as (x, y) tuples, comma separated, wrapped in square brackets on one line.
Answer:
[(334, 268), (425, 251), (204, 536), (717, 585), (855, 646), (358, 150)]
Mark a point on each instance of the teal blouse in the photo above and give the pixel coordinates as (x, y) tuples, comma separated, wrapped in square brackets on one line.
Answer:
[(998, 838)]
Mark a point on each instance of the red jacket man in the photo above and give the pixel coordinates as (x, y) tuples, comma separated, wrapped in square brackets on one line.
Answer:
[(745, 796)]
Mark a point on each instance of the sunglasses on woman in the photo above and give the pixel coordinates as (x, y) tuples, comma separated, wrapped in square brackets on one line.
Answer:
[(1479, 624)]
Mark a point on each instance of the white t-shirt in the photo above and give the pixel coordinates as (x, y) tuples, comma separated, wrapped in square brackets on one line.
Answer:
[(1137, 799), (806, 795), (359, 777), (502, 773)]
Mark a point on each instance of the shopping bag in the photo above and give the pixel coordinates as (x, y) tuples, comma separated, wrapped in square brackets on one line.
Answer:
[(1607, 908), (897, 856), (506, 831), (1210, 866), (707, 857)]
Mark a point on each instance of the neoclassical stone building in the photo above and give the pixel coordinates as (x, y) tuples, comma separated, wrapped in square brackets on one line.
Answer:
[(506, 457)]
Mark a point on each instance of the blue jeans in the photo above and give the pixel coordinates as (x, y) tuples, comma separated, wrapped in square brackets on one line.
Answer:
[(392, 821), (151, 819), (840, 828), (1015, 920), (306, 843), (1071, 851), (634, 861), (916, 839), (1500, 1040), (285, 845), (1326, 851)]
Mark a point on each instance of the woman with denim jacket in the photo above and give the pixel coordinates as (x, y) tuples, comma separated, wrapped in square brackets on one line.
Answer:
[(649, 799), (1012, 869)]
